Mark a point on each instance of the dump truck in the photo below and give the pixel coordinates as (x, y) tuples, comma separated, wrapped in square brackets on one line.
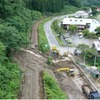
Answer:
[(90, 93), (69, 71)]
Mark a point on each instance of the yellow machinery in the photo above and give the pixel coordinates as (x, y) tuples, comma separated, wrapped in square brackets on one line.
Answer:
[(70, 72), (55, 51)]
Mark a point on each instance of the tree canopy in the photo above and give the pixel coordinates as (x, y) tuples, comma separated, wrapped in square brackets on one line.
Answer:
[(15, 21), (16, 18), (51, 5)]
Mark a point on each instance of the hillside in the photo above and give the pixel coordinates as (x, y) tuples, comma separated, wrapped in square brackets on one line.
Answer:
[(91, 2), (16, 19)]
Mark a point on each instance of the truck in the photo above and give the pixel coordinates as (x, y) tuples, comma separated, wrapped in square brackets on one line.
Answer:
[(90, 93)]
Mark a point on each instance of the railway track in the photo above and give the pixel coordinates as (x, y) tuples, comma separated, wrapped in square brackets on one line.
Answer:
[(30, 91)]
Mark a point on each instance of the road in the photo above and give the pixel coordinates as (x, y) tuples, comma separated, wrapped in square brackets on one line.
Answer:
[(51, 38)]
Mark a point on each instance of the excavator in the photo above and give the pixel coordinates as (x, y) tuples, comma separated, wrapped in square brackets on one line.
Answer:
[(55, 51), (70, 72)]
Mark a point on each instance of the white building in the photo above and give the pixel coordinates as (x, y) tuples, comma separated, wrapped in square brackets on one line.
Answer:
[(97, 44), (82, 23), (81, 14)]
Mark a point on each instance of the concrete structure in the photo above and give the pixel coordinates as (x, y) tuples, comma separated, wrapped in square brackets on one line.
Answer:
[(82, 23), (97, 44), (81, 14)]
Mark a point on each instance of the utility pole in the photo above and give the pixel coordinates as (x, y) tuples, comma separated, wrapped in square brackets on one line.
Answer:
[(84, 57), (68, 47), (95, 59)]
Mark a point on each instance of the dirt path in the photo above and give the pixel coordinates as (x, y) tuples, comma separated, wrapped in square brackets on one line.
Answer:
[(32, 65), (34, 35), (31, 85)]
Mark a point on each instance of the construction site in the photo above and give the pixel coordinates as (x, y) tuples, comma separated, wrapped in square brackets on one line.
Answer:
[(73, 80)]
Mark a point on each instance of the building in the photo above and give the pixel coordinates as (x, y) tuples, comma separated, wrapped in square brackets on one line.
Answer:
[(97, 44), (82, 23), (81, 14)]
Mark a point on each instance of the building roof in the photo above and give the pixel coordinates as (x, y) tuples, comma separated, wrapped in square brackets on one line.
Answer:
[(82, 13), (80, 21), (78, 12), (97, 45), (76, 21)]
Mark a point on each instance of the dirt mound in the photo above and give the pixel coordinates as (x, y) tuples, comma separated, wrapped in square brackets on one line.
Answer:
[(63, 64)]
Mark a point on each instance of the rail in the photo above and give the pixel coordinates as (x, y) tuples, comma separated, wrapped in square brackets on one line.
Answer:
[(85, 74)]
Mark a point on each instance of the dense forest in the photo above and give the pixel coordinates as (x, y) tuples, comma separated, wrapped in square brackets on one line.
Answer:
[(15, 22), (51, 5), (91, 2), (16, 19)]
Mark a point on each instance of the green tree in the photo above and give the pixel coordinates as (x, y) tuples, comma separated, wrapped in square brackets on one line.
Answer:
[(72, 28), (53, 91), (76, 3), (85, 32), (9, 7), (60, 31), (82, 47), (97, 29), (2, 52), (11, 38), (94, 10)]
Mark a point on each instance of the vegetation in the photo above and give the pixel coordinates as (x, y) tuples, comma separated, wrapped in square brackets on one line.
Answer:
[(51, 6), (15, 22), (43, 42), (9, 76), (82, 47), (89, 3), (73, 28), (53, 90), (58, 31), (68, 9), (89, 35), (90, 54), (97, 30), (16, 19), (49, 60)]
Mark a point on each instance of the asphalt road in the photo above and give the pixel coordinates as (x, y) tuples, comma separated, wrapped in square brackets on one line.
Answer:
[(51, 38)]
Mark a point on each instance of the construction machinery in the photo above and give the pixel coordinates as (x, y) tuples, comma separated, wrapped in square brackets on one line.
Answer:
[(55, 51), (90, 93), (69, 71)]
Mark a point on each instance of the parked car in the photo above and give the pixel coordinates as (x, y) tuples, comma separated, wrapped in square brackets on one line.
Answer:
[(68, 41)]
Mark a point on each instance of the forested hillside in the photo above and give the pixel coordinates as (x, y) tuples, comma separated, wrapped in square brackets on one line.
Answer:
[(16, 19), (51, 5), (91, 2)]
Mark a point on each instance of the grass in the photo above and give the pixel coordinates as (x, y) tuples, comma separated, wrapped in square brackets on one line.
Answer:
[(57, 38), (53, 90), (43, 42)]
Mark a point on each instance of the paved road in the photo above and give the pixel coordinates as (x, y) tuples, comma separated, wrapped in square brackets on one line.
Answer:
[(51, 38)]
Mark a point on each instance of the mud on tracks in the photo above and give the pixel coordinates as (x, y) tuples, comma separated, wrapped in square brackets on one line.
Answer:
[(32, 66)]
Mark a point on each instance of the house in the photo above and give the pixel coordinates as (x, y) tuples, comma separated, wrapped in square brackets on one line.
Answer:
[(81, 14), (82, 23)]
